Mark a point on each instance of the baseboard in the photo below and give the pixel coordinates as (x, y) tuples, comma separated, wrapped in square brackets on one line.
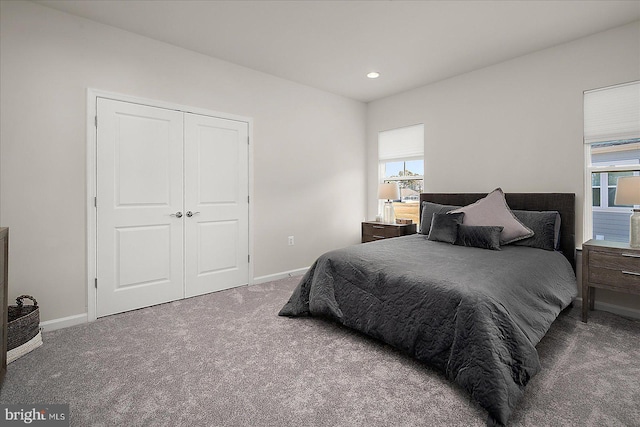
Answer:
[(278, 276), (616, 309), (64, 322)]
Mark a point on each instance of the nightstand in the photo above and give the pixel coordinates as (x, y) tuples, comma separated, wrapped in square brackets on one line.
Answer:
[(608, 265), (372, 231)]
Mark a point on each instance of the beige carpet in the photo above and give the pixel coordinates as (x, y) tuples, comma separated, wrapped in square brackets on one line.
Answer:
[(227, 359)]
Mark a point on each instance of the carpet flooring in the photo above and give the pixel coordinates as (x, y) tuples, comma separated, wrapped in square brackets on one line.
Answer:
[(227, 359)]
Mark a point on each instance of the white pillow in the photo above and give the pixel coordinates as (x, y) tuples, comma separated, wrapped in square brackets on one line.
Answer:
[(493, 210)]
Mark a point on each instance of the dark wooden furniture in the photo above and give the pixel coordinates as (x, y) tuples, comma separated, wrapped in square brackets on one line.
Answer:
[(608, 265), (4, 270), (564, 203), (372, 231)]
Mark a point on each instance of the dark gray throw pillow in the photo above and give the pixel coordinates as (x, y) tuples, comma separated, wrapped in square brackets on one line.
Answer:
[(444, 227), (546, 228), (479, 236), (428, 209)]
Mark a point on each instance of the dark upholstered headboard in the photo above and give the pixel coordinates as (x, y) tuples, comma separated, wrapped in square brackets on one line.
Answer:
[(564, 203)]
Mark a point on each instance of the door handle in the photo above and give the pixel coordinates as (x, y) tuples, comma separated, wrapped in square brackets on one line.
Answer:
[(177, 214), (190, 214)]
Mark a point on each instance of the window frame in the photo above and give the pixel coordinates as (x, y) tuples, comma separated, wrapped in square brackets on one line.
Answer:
[(383, 179), (402, 144), (610, 114), (587, 232)]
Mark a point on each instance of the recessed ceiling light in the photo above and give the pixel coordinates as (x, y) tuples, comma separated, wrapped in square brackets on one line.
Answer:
[(373, 75)]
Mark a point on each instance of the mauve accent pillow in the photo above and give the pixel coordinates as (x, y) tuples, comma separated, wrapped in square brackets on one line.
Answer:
[(493, 210), (428, 209), (546, 228), (444, 227), (479, 236)]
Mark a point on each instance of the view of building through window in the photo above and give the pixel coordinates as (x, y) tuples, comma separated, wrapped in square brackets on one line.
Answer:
[(409, 175), (610, 161)]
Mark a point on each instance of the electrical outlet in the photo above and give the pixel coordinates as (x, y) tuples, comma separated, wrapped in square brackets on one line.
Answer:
[(291, 243)]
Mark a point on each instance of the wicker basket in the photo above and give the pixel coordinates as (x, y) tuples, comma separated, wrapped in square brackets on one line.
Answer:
[(24, 322)]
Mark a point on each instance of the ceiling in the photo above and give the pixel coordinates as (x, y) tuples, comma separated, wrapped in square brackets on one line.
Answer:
[(332, 45)]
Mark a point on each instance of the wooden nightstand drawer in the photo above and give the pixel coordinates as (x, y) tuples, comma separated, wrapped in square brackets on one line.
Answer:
[(615, 279), (381, 231), (372, 238), (616, 261), (372, 231)]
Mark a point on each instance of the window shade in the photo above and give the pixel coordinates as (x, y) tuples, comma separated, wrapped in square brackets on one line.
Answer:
[(401, 143), (612, 113)]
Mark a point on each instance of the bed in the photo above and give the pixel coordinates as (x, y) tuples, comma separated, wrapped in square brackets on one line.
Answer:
[(475, 314)]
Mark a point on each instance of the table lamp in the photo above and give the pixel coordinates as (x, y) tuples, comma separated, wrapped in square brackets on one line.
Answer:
[(628, 193), (389, 192)]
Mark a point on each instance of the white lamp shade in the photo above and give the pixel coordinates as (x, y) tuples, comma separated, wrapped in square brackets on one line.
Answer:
[(389, 191), (628, 191)]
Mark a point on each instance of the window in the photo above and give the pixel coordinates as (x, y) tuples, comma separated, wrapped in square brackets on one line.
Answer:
[(401, 160), (612, 150)]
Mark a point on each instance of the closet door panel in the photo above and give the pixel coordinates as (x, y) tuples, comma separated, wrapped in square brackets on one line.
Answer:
[(218, 163), (212, 256), (139, 185), (216, 192)]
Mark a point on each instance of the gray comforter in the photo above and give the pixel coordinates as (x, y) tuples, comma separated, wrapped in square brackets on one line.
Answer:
[(476, 314)]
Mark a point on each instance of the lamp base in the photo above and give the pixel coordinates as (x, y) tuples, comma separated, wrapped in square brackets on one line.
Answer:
[(634, 229), (389, 214)]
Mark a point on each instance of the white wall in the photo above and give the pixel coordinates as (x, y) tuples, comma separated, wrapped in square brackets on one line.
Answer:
[(516, 125), (309, 146)]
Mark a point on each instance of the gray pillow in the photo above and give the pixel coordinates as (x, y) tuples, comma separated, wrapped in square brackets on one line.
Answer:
[(493, 210), (428, 209), (546, 228), (479, 236), (444, 227)]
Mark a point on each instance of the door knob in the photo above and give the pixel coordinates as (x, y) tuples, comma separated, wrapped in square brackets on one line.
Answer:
[(177, 214), (190, 214)]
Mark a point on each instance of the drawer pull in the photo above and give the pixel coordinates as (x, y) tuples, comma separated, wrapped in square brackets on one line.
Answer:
[(379, 227), (631, 255), (633, 273), (378, 237)]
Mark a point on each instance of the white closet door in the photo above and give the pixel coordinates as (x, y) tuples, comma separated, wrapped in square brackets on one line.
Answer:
[(139, 185), (216, 192)]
